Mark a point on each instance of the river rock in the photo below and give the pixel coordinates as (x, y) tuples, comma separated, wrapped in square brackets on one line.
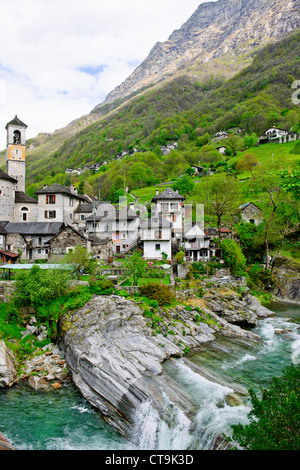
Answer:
[(233, 399), (5, 444), (8, 373), (115, 355)]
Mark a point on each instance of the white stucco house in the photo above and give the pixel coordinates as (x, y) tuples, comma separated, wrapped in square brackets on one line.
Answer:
[(169, 204), (196, 244), (156, 237), (57, 203)]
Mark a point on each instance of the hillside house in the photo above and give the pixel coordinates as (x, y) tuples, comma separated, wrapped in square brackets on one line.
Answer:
[(121, 225), (156, 237), (196, 244), (57, 203), (169, 204), (274, 133), (199, 170), (251, 214)]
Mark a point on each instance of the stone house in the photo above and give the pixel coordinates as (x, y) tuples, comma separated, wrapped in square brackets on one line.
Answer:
[(65, 240), (251, 214), (30, 240)]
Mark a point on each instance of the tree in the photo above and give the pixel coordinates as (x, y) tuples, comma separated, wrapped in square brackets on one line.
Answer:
[(37, 286), (233, 255), (184, 185), (274, 420), (220, 196), (247, 163), (79, 259), (135, 267), (290, 180)]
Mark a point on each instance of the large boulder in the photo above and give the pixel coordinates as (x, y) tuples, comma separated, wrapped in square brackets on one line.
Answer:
[(115, 353), (287, 273), (8, 373)]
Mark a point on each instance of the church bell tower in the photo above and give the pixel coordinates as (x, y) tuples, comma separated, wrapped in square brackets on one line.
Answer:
[(15, 151)]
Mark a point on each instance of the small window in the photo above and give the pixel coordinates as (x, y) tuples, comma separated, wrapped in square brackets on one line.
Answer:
[(157, 247), (82, 217), (24, 217), (71, 202), (50, 199), (50, 214), (17, 137)]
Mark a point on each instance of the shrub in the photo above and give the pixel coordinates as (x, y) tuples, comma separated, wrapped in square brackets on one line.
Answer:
[(274, 421), (163, 294), (233, 255), (102, 286), (37, 286)]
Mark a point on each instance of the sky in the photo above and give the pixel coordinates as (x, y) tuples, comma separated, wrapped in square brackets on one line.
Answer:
[(60, 58)]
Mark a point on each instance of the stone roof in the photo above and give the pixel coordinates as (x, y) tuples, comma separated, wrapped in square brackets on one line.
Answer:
[(16, 122), (5, 176), (34, 228), (60, 189), (84, 208), (112, 213), (2, 227), (21, 197), (157, 221), (168, 193)]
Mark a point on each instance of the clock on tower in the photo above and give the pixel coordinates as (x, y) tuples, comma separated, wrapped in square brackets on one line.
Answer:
[(15, 153)]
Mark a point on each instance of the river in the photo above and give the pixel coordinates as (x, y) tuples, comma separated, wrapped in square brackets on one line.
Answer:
[(63, 420)]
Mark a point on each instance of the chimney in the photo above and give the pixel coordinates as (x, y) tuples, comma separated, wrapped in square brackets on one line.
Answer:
[(45, 186), (157, 192)]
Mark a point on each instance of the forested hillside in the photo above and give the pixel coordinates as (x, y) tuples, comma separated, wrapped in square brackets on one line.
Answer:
[(185, 111)]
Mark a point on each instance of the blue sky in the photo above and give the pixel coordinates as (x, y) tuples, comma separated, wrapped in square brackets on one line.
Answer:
[(60, 58)]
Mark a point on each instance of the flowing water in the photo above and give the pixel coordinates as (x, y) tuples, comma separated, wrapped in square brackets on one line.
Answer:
[(63, 420)]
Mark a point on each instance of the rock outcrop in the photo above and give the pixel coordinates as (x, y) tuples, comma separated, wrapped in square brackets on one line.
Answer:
[(8, 373), (5, 444), (214, 30), (115, 353), (287, 273)]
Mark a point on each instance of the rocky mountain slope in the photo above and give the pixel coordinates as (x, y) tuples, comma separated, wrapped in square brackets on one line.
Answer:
[(214, 30)]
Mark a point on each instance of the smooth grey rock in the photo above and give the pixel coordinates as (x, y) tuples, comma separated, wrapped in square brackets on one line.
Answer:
[(8, 373), (116, 359)]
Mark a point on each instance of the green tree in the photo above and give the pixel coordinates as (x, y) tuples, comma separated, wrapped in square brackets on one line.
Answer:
[(274, 420), (233, 255), (135, 266), (79, 259), (247, 163), (184, 185), (37, 286)]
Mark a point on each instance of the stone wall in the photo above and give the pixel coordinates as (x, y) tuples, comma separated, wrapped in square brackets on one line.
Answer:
[(67, 238), (6, 290)]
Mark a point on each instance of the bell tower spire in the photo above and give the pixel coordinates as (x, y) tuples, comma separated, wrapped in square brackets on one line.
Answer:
[(15, 151)]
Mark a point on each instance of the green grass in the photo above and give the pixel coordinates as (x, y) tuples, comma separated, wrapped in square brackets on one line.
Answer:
[(271, 156)]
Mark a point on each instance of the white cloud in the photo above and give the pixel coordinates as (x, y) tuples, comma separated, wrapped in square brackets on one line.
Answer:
[(60, 58)]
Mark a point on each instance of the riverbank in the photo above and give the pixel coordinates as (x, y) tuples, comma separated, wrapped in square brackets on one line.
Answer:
[(62, 419)]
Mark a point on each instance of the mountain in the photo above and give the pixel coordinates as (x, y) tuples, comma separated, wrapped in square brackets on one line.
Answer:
[(183, 110), (215, 44), (215, 29)]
